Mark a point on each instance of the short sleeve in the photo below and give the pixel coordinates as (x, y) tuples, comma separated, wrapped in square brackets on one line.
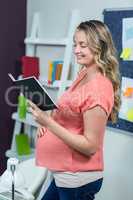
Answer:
[(98, 95)]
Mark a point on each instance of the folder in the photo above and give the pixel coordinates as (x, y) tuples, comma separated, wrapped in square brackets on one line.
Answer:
[(58, 70), (50, 69), (33, 90), (22, 144), (54, 71)]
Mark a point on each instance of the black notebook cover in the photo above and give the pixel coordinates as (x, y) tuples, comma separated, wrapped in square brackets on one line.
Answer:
[(33, 90)]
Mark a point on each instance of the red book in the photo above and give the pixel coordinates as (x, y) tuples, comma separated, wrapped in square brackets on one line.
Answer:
[(30, 66)]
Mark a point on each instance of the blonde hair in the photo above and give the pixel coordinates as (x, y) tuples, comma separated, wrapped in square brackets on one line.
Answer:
[(101, 44)]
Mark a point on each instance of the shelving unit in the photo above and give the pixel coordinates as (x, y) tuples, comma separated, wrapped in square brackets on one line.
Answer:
[(57, 88), (10, 153), (34, 40)]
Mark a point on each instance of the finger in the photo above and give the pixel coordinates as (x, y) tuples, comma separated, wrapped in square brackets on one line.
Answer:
[(33, 112), (41, 132), (31, 104), (30, 109), (38, 132)]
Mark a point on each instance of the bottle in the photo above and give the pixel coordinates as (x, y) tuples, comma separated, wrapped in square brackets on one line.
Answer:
[(22, 106)]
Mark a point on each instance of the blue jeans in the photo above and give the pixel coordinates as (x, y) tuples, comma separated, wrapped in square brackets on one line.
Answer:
[(85, 192)]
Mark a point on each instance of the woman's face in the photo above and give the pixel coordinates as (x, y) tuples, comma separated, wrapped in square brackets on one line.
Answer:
[(82, 52)]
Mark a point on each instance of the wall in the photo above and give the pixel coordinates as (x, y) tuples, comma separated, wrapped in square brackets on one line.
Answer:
[(12, 33), (118, 174), (61, 8), (118, 146)]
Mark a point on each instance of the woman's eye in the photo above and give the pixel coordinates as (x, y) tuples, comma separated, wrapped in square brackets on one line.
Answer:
[(81, 46), (84, 46)]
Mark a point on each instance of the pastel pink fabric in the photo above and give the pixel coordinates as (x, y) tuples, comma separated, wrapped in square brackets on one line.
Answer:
[(51, 151)]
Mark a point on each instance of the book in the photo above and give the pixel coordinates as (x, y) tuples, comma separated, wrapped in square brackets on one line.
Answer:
[(32, 89), (58, 70), (54, 70), (50, 69), (57, 67)]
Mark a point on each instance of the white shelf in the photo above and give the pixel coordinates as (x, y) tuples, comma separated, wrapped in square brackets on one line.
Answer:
[(29, 119), (10, 153), (41, 41), (56, 84)]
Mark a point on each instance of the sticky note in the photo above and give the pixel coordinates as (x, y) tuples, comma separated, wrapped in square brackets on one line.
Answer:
[(130, 115), (128, 92), (126, 53)]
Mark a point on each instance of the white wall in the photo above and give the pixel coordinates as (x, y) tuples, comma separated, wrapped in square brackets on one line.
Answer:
[(118, 175), (88, 9), (118, 179)]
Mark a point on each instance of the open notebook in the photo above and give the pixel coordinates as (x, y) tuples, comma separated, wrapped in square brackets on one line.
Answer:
[(33, 90)]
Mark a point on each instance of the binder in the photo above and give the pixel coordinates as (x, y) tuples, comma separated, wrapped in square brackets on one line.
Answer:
[(22, 142), (50, 69), (58, 70), (30, 66), (33, 90)]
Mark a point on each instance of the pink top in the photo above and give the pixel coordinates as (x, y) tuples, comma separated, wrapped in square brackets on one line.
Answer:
[(51, 151)]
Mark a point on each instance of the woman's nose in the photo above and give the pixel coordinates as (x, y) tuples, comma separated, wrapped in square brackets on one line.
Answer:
[(77, 49)]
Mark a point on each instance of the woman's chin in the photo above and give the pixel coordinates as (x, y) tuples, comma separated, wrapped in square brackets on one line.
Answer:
[(80, 62)]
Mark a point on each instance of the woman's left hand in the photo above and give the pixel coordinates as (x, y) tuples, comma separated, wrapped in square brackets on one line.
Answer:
[(40, 116)]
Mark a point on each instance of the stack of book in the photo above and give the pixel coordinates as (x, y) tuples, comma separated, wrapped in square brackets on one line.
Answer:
[(54, 71)]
